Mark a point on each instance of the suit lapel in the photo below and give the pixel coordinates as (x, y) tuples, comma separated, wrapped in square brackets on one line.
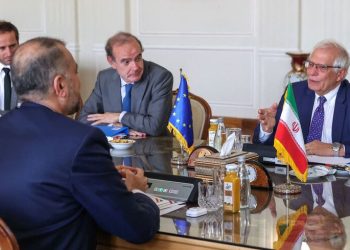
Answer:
[(339, 111), (114, 93), (139, 90), (305, 105)]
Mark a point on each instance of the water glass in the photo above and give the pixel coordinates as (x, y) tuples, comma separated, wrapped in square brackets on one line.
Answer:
[(208, 195), (246, 139), (212, 226), (237, 145)]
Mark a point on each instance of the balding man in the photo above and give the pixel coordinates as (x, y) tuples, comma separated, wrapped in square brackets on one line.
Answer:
[(58, 181)]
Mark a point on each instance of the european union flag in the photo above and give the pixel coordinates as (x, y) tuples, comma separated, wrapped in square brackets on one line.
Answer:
[(180, 121)]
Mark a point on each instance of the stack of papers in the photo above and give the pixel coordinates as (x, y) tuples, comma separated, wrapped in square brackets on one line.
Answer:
[(166, 206)]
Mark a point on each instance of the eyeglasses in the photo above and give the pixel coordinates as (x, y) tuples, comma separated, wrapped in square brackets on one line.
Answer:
[(321, 67)]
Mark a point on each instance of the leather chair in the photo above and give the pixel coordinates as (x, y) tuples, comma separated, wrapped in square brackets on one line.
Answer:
[(201, 114), (7, 239)]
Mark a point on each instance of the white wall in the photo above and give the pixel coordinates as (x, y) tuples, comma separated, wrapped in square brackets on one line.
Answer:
[(233, 51)]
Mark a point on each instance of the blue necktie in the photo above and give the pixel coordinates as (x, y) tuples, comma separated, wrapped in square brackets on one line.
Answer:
[(127, 98), (318, 189), (7, 89), (315, 131)]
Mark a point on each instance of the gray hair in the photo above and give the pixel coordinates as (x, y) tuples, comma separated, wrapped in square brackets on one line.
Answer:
[(35, 64), (342, 59)]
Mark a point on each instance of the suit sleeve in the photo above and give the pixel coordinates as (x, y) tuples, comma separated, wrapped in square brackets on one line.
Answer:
[(94, 103), (154, 122), (98, 187)]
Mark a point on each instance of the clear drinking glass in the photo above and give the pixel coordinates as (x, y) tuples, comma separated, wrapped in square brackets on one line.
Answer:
[(237, 145), (208, 195)]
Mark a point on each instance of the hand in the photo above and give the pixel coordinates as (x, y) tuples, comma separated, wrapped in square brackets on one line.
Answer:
[(122, 170), (135, 133), (324, 230), (136, 180), (319, 148), (103, 118), (267, 118)]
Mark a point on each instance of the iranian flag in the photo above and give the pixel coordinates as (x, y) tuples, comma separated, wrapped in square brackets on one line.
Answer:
[(289, 141)]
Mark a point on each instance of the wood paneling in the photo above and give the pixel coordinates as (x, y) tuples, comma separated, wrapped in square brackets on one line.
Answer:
[(247, 125)]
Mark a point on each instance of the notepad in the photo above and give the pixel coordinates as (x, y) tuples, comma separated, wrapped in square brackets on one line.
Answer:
[(110, 130)]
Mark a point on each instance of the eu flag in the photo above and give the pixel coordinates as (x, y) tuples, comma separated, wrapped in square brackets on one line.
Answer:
[(180, 121)]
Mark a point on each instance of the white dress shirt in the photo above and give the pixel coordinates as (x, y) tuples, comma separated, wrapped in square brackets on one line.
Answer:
[(2, 76)]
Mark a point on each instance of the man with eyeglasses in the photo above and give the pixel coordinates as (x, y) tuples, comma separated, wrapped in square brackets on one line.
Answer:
[(325, 89), (134, 92)]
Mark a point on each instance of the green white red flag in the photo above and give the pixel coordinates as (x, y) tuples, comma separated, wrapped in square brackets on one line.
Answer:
[(289, 141)]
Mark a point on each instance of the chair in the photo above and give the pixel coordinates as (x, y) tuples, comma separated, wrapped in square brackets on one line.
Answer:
[(7, 239), (201, 114)]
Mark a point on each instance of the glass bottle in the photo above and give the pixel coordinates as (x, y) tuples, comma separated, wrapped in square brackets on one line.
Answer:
[(231, 190), (212, 132), (244, 181), (220, 134)]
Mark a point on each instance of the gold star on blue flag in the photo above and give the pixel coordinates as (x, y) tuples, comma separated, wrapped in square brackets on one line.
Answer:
[(180, 121)]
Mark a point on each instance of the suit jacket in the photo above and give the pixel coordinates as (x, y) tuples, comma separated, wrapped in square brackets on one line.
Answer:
[(304, 98), (341, 198), (58, 183), (14, 101), (151, 99)]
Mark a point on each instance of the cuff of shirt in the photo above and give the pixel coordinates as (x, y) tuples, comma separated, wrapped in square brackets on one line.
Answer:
[(263, 136), (121, 116)]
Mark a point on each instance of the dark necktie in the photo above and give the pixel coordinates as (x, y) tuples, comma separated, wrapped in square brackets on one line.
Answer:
[(127, 98), (318, 189), (315, 131), (7, 89)]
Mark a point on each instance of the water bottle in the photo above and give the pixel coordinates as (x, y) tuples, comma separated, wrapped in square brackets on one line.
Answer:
[(220, 132), (245, 183)]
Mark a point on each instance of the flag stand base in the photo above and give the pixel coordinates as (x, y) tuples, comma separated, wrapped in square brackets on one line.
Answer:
[(287, 189)]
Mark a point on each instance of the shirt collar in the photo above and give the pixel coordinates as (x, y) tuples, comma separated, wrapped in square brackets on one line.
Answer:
[(123, 83), (3, 66)]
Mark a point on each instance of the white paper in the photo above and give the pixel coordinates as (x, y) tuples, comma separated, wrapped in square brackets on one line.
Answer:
[(328, 160), (166, 206)]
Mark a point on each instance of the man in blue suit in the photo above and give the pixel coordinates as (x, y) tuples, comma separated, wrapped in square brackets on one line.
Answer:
[(58, 182), (326, 67), (150, 95)]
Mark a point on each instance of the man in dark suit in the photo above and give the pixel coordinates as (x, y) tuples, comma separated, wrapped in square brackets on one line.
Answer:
[(151, 93), (326, 67), (58, 182), (9, 40)]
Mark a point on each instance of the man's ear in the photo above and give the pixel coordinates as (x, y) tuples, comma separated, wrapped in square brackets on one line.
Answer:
[(341, 74), (111, 61), (60, 86)]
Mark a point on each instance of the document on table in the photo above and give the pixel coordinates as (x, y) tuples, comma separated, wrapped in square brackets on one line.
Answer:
[(328, 160), (166, 206)]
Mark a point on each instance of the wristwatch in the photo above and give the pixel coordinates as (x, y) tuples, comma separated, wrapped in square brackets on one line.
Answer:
[(336, 146)]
